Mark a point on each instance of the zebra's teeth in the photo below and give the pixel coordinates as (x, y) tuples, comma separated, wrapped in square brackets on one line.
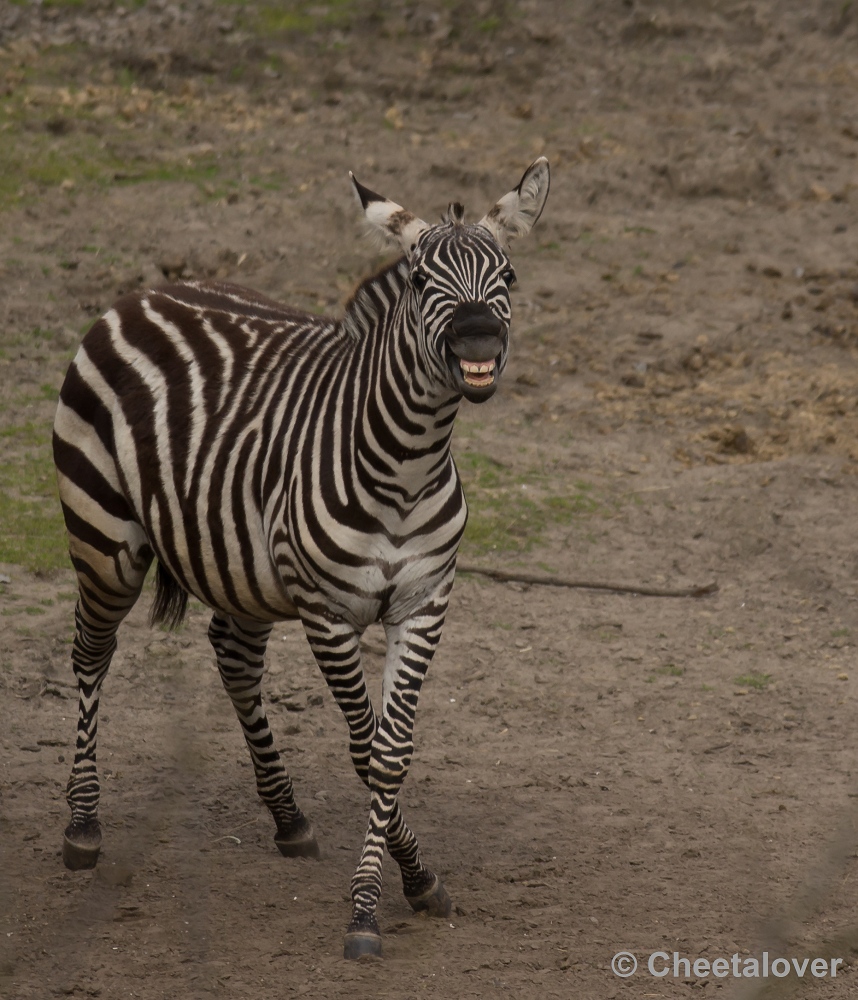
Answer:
[(478, 373), (477, 367)]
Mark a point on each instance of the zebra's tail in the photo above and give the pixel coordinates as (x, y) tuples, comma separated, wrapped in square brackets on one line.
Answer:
[(171, 601)]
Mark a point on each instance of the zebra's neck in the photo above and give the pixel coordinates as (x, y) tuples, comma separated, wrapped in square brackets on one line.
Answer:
[(404, 413)]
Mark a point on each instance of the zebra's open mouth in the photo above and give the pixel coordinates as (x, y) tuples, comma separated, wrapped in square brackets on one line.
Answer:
[(474, 348), (478, 373), (476, 377)]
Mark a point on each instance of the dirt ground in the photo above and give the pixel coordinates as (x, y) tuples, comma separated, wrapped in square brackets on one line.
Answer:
[(594, 771)]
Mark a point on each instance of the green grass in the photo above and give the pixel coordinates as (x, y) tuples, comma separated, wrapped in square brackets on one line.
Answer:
[(35, 164), (33, 533), (295, 16), (32, 159), (512, 512), (670, 670), (757, 681), (489, 24)]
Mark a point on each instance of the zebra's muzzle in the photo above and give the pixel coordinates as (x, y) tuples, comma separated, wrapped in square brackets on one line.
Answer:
[(475, 340)]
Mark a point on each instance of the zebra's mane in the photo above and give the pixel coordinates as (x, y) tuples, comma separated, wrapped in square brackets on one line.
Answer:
[(455, 213), (374, 296)]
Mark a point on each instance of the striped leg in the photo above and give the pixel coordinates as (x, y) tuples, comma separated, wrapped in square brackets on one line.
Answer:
[(99, 612), (382, 764), (240, 651)]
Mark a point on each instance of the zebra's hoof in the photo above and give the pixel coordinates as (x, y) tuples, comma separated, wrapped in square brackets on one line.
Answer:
[(298, 843), (435, 901), (361, 943), (81, 847)]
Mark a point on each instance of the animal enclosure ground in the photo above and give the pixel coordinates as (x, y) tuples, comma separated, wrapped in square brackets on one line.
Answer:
[(593, 772)]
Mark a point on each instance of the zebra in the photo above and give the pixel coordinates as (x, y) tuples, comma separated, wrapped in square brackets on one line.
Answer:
[(284, 466)]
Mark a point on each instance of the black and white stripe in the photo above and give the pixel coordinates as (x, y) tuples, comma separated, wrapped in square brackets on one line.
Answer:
[(284, 466)]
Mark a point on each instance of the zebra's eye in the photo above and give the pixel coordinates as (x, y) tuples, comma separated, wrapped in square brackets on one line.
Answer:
[(508, 277), (419, 280)]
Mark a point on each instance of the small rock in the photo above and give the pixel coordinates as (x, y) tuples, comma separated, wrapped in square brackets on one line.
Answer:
[(173, 266), (819, 192), (393, 117)]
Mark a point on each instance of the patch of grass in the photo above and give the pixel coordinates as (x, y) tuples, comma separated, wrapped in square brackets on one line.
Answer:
[(512, 512), (272, 181), (757, 681), (33, 159), (489, 24), (33, 532), (669, 670), (295, 16)]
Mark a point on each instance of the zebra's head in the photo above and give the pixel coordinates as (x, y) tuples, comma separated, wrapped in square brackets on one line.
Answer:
[(460, 276)]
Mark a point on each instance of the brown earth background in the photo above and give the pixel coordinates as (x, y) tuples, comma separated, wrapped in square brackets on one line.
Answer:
[(594, 771)]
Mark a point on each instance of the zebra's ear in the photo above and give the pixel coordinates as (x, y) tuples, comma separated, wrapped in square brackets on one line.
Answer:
[(516, 213), (392, 222)]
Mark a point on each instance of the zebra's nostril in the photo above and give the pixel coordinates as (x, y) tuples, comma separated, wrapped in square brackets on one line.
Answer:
[(475, 333), (475, 347), (472, 319)]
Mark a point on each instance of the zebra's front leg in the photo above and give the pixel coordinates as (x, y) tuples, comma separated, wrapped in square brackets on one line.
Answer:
[(240, 651), (422, 889), (374, 754)]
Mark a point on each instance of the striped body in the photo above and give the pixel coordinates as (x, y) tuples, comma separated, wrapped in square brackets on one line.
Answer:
[(244, 439), (278, 466)]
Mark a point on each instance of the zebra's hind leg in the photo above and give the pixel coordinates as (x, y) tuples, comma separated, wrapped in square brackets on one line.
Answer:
[(100, 610), (240, 650)]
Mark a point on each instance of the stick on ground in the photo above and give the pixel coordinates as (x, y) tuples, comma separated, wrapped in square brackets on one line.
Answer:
[(559, 581)]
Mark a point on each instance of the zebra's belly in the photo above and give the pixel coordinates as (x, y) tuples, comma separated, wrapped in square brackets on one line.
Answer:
[(230, 572), (384, 581), (266, 600)]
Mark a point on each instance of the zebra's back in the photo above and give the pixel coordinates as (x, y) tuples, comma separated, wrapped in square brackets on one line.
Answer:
[(167, 420)]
